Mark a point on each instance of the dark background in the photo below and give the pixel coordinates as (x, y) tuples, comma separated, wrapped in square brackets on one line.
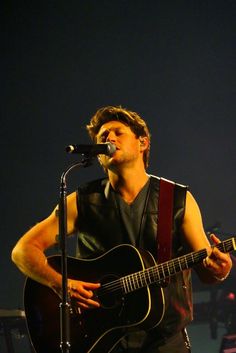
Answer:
[(171, 61)]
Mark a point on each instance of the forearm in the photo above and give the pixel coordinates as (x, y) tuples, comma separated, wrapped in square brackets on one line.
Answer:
[(33, 263)]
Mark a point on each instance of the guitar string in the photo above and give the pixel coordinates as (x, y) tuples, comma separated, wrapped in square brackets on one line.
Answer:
[(155, 273), (139, 279), (141, 276)]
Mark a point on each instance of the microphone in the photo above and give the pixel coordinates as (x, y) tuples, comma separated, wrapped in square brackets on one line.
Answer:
[(92, 150)]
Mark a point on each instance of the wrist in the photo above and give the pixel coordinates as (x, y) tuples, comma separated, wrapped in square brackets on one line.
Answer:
[(56, 284)]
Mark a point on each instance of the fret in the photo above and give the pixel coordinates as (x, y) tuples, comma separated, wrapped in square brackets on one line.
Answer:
[(141, 279), (130, 281), (137, 283), (224, 247), (138, 279), (227, 245), (186, 262), (180, 263), (148, 273), (176, 265), (230, 245), (145, 279), (127, 285), (183, 262), (124, 284), (167, 265), (172, 267), (161, 271), (134, 282), (130, 278), (234, 243), (156, 274), (192, 257), (165, 274)]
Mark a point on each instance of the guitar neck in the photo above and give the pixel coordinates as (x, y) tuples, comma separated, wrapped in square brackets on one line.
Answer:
[(160, 272)]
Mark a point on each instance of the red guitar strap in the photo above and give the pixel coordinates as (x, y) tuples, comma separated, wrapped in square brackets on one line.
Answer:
[(165, 220)]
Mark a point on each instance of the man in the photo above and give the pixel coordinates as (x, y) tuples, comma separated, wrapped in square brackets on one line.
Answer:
[(121, 209)]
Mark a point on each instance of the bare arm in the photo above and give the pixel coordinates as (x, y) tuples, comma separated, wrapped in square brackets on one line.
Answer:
[(29, 255), (219, 264)]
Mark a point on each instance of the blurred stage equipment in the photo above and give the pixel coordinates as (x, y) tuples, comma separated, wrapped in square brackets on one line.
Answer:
[(224, 304), (13, 329), (228, 344), (220, 310)]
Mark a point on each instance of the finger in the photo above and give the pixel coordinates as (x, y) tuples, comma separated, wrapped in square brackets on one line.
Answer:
[(86, 303), (210, 263), (80, 292), (90, 305), (216, 253), (215, 239), (89, 302), (93, 303), (91, 286), (83, 288), (222, 259), (85, 300), (88, 289), (85, 297), (206, 262)]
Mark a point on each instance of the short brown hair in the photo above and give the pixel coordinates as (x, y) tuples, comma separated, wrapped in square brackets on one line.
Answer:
[(129, 118)]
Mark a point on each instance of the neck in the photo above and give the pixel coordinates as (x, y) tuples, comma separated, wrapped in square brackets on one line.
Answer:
[(128, 184)]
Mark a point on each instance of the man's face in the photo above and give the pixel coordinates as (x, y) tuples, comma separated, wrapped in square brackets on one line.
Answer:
[(128, 150)]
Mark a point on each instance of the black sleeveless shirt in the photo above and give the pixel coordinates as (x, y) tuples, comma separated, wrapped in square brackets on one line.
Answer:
[(106, 221)]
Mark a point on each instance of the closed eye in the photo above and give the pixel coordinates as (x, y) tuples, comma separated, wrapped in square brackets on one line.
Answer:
[(103, 136)]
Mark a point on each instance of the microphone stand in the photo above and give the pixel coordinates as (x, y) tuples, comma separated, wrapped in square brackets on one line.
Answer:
[(65, 305)]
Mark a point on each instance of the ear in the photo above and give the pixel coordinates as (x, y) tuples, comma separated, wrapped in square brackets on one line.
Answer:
[(144, 143)]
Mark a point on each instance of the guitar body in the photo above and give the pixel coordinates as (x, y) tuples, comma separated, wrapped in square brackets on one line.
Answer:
[(95, 330)]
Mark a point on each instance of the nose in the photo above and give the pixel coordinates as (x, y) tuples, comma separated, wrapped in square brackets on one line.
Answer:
[(111, 137)]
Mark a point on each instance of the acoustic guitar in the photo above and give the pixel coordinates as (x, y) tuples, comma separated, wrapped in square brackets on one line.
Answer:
[(131, 298)]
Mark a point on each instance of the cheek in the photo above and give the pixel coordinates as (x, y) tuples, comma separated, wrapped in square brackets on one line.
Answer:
[(133, 146)]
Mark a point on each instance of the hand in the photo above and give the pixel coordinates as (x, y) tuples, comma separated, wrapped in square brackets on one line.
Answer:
[(83, 293), (217, 262)]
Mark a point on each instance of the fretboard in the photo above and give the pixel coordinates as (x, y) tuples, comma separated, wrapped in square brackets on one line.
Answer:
[(160, 272)]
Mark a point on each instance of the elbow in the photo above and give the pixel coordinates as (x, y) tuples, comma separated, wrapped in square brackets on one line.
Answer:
[(18, 253), (15, 255)]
